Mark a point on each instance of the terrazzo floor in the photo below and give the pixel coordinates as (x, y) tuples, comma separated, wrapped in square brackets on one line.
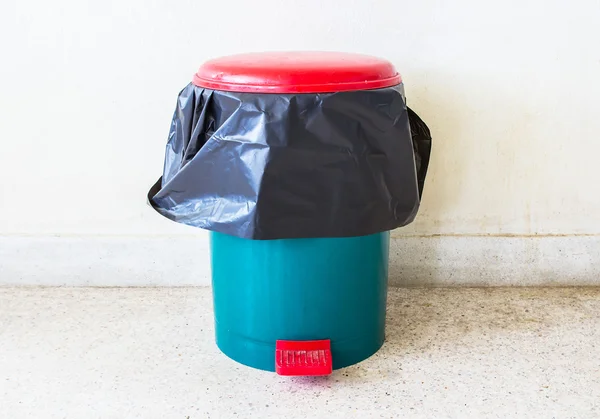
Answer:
[(150, 353)]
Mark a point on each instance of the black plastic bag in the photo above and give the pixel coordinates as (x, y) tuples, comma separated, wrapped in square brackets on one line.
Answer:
[(272, 166), (421, 138)]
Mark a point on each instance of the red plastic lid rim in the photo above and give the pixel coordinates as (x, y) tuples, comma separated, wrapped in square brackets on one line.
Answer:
[(296, 72), (305, 88)]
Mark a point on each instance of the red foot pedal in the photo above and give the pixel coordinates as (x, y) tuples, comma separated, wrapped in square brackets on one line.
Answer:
[(303, 357)]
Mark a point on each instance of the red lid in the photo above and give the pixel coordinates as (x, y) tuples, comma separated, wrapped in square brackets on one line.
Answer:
[(296, 72)]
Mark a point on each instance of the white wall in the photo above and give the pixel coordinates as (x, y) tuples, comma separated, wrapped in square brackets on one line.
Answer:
[(510, 90)]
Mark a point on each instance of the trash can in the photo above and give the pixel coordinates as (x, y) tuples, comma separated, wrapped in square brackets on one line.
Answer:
[(299, 164)]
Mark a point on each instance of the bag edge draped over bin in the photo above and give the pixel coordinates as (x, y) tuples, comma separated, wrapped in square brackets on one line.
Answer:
[(277, 166)]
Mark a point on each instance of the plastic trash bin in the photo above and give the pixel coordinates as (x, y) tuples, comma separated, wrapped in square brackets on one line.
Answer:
[(299, 164)]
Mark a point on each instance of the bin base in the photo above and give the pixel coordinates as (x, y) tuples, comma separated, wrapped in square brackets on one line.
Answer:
[(261, 355)]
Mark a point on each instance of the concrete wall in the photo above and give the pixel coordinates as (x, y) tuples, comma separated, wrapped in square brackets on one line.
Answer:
[(509, 90)]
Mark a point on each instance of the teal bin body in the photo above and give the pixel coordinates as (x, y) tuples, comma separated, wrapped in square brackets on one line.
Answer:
[(299, 289)]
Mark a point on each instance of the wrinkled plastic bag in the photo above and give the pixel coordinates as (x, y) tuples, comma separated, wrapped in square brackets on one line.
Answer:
[(273, 166)]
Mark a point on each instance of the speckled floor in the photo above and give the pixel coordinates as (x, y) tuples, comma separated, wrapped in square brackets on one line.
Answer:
[(149, 353)]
